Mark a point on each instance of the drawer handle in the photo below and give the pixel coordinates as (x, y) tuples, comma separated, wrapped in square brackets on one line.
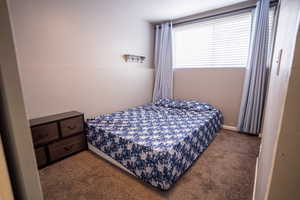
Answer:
[(71, 127), (68, 148)]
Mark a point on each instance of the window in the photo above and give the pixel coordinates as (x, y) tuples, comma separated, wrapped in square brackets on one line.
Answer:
[(221, 42)]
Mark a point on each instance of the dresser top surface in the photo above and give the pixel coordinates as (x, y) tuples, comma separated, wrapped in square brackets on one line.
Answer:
[(52, 118)]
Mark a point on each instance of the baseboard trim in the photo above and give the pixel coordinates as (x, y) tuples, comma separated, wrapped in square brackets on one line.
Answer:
[(230, 128), (255, 179)]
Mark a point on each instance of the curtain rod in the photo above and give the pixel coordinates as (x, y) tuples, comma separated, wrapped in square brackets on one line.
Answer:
[(188, 21)]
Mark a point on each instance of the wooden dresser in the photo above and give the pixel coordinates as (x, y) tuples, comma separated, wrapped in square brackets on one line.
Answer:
[(57, 136)]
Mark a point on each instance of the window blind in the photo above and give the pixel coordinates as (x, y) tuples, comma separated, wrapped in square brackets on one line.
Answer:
[(221, 42)]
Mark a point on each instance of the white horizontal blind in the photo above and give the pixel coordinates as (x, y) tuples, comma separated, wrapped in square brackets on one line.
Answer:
[(222, 42), (271, 21)]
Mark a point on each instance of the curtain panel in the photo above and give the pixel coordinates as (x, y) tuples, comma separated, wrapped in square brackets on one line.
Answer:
[(163, 62), (255, 85)]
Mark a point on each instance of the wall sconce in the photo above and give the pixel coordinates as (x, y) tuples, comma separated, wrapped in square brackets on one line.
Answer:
[(134, 58)]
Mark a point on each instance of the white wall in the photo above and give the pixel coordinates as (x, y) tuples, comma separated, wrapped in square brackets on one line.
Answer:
[(286, 177), (15, 132), (221, 87), (275, 109), (70, 56)]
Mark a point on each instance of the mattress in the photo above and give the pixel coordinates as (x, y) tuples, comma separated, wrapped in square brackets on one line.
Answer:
[(156, 142)]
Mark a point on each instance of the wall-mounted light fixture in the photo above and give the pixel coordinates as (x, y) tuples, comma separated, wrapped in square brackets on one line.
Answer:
[(134, 58)]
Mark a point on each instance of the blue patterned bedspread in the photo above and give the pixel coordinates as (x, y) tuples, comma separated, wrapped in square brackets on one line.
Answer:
[(157, 142)]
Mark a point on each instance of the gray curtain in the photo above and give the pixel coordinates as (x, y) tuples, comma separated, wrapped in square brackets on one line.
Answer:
[(255, 86), (163, 62)]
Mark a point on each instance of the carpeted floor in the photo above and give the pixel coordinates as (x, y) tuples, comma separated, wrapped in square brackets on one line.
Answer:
[(225, 171)]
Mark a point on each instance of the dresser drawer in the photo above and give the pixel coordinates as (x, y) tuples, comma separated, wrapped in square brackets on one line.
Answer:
[(44, 133), (67, 146), (41, 157), (71, 126)]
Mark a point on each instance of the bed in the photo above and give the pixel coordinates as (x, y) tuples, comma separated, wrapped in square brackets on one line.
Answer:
[(155, 142)]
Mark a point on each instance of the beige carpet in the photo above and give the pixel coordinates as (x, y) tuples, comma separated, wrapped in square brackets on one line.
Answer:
[(225, 171)]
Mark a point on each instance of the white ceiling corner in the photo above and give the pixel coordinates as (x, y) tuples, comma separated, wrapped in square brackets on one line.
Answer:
[(162, 10)]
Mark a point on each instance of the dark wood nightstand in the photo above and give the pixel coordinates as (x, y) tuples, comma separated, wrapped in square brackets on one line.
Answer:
[(57, 136)]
